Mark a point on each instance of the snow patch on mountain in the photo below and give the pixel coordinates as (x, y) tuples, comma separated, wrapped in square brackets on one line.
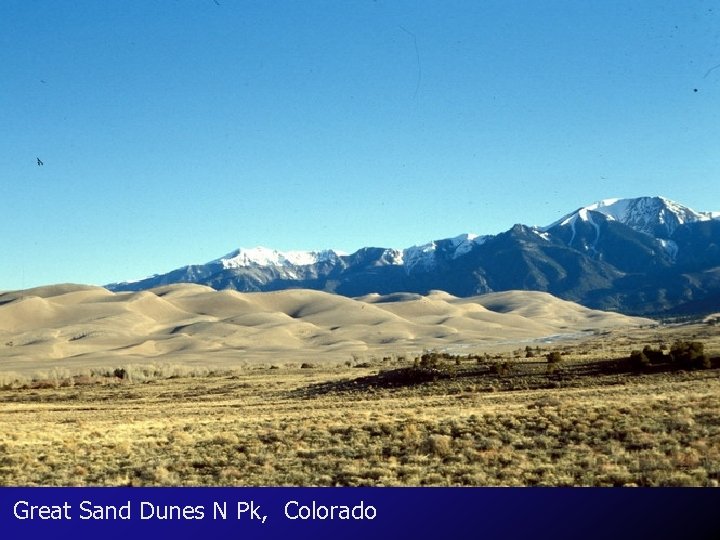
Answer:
[(261, 256), (466, 242), (670, 247), (392, 257), (423, 257), (597, 231), (419, 256)]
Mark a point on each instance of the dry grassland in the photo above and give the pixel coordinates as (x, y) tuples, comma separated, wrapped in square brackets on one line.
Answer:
[(292, 426)]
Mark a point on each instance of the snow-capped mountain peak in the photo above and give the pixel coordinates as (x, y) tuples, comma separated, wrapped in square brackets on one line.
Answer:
[(261, 256), (655, 216)]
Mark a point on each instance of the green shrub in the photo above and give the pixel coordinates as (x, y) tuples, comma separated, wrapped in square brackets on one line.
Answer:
[(553, 357), (429, 360)]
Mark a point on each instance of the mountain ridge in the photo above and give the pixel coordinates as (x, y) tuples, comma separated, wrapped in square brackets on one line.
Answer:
[(646, 255)]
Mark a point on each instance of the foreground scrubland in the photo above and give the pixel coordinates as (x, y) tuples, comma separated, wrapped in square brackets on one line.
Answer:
[(475, 423)]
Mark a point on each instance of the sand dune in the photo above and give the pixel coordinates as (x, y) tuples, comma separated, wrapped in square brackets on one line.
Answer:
[(72, 325)]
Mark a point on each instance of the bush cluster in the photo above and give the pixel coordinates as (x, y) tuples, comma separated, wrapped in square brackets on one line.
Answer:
[(501, 368), (682, 355), (432, 359)]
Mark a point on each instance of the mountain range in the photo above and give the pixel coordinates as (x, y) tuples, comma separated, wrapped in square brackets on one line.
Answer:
[(645, 255)]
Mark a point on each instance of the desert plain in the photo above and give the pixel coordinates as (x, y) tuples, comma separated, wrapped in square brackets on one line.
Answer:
[(185, 385)]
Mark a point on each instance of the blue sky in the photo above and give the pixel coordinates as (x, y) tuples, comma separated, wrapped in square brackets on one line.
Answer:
[(174, 131)]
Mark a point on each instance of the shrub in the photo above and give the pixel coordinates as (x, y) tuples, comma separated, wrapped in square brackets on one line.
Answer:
[(689, 355), (501, 368), (440, 445), (553, 369), (639, 360), (554, 357), (654, 356), (429, 360)]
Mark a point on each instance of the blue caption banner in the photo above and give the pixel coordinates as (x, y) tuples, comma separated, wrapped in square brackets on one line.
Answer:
[(346, 513)]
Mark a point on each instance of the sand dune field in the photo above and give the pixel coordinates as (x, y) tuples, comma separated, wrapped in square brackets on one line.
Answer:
[(77, 326)]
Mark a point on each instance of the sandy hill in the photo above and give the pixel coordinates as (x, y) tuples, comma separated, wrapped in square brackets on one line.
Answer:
[(73, 325)]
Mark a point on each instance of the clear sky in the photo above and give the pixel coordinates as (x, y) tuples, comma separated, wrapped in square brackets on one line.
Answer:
[(174, 131)]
